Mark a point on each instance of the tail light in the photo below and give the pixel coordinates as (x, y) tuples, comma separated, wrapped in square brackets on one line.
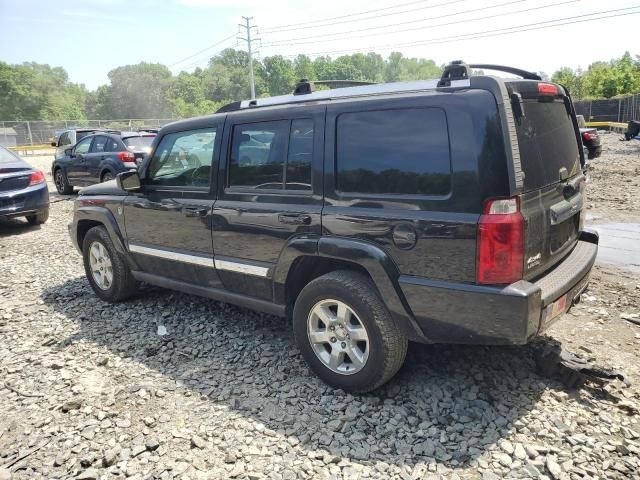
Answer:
[(36, 178), (588, 136), (126, 156), (547, 89), (500, 247)]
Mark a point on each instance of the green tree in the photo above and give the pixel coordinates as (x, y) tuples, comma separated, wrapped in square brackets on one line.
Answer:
[(279, 75)]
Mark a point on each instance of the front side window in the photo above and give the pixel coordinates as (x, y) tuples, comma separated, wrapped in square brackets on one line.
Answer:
[(399, 152), (83, 146), (272, 155), (183, 159), (64, 139)]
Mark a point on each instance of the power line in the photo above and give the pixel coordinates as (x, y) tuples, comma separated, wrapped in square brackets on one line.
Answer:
[(489, 33), (203, 50), (451, 2), (276, 43), (278, 27)]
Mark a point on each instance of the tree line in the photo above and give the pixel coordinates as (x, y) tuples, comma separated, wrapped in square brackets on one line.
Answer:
[(32, 91)]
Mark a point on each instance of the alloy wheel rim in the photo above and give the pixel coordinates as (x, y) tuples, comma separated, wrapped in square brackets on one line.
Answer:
[(59, 181), (338, 337), (101, 266)]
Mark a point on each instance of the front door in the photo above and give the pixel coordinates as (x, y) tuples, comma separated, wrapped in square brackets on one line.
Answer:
[(77, 168), (168, 224), (270, 190)]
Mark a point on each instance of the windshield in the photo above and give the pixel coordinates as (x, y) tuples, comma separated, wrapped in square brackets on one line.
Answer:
[(6, 156), (547, 142), (139, 143)]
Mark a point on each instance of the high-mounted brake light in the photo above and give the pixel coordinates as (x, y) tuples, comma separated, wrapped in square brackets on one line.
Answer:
[(500, 242), (126, 157), (36, 178), (547, 89)]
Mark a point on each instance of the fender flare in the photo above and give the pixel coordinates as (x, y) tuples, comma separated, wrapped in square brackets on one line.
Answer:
[(373, 259), (105, 217)]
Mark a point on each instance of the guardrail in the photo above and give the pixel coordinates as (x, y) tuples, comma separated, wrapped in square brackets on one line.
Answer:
[(32, 149), (613, 126)]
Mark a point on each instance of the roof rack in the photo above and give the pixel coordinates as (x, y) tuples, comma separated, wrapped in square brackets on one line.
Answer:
[(305, 86), (456, 74)]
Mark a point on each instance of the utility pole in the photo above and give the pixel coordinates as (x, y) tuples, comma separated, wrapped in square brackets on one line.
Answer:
[(247, 26)]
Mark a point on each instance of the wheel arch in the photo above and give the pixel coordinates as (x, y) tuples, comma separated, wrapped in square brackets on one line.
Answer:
[(303, 260)]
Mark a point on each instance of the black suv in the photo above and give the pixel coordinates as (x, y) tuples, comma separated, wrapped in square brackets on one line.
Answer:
[(448, 211)]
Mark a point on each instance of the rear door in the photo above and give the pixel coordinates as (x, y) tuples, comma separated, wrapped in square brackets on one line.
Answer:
[(553, 184), (94, 159), (270, 190)]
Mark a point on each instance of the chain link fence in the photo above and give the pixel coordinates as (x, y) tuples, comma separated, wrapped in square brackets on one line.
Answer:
[(39, 132), (621, 109)]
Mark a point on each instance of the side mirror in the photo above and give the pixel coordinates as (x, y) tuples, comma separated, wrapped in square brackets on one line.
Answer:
[(54, 144), (129, 181), (69, 152)]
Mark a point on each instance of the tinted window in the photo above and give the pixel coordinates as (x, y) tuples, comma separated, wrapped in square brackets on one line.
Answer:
[(113, 145), (299, 155), (547, 143), (258, 154), (270, 155), (404, 151), (81, 135), (83, 146), (139, 143), (183, 159), (64, 139), (99, 144)]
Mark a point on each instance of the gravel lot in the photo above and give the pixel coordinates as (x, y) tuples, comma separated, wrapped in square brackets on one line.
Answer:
[(91, 390)]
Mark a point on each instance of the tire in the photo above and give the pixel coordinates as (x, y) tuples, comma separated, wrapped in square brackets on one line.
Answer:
[(386, 346), (38, 218), (106, 176), (121, 285), (62, 184)]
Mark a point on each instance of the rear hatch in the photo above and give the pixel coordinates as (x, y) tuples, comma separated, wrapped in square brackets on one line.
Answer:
[(140, 145), (14, 173), (553, 183)]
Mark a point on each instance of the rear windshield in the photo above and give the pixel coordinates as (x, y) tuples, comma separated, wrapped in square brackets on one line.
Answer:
[(140, 143), (6, 156), (547, 143)]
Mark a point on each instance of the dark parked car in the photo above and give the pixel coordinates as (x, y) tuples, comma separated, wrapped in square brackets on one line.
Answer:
[(23, 189), (443, 211), (68, 138), (590, 139), (99, 158)]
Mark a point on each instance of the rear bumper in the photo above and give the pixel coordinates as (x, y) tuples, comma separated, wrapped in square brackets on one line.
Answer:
[(27, 201), (476, 314)]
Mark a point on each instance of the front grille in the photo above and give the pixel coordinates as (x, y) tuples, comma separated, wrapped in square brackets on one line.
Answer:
[(14, 183), (564, 233)]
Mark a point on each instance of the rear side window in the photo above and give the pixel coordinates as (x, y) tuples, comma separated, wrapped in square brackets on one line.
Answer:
[(112, 145), (402, 152), (99, 144), (272, 155), (547, 142)]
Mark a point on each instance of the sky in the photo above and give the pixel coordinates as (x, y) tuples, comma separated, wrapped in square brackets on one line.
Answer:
[(88, 38)]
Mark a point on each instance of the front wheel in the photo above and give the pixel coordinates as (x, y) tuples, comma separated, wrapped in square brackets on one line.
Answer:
[(62, 184), (346, 333), (106, 270)]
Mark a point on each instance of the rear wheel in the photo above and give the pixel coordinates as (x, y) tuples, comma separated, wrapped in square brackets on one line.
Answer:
[(106, 270), (106, 176), (346, 333), (38, 218), (62, 184)]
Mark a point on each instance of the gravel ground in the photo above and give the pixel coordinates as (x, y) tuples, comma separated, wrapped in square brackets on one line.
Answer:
[(91, 390)]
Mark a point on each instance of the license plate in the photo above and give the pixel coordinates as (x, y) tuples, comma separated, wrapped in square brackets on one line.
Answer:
[(556, 308)]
